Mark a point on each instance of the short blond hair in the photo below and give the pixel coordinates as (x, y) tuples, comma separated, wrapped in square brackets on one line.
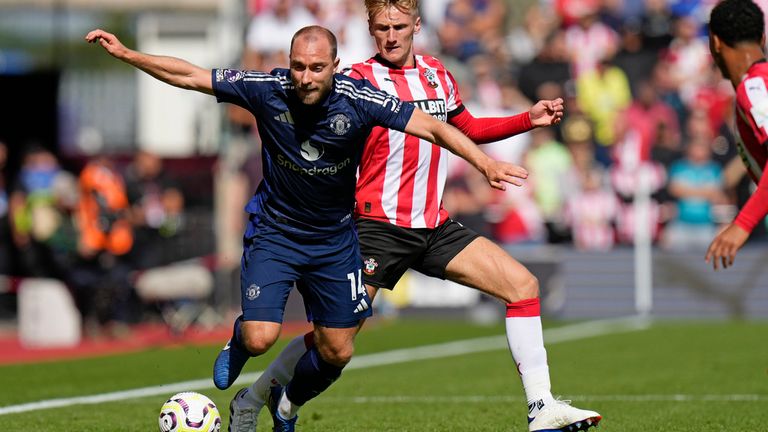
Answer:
[(373, 7)]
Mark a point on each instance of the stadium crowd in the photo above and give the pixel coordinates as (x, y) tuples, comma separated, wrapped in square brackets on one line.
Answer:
[(643, 101), (94, 229)]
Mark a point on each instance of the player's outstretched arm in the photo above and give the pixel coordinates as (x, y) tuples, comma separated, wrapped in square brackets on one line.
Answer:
[(170, 70), (497, 173), (484, 130)]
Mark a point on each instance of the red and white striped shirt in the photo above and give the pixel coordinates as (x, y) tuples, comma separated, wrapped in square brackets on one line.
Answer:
[(752, 119), (402, 177), (752, 128)]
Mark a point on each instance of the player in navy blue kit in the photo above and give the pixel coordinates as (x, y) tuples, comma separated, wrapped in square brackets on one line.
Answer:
[(313, 123)]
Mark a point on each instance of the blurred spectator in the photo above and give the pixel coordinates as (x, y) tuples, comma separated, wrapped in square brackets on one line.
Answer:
[(591, 206), (665, 151), (270, 32), (103, 210), (456, 36), (650, 115), (156, 209), (467, 198), (100, 276), (666, 88), (5, 227), (348, 21), (656, 25), (688, 57), (634, 58), (695, 9), (602, 94), (526, 40), (589, 41), (632, 172), (547, 161), (551, 66), (591, 212), (433, 12), (40, 206), (570, 11), (472, 27), (696, 181), (516, 218), (715, 98), (627, 11), (487, 91), (578, 139)]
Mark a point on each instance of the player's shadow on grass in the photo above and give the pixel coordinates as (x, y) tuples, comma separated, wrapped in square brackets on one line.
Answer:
[(729, 287)]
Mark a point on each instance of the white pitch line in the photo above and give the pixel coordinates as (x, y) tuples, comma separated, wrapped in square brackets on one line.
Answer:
[(442, 350)]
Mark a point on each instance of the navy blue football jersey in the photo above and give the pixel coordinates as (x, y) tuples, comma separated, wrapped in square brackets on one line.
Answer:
[(310, 153)]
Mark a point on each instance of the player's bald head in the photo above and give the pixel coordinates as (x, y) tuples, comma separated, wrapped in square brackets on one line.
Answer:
[(315, 33)]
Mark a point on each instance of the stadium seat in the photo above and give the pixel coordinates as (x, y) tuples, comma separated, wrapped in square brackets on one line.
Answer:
[(48, 316), (182, 290)]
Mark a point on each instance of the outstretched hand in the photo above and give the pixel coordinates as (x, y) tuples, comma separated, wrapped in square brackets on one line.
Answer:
[(498, 173), (725, 245), (108, 41), (547, 112)]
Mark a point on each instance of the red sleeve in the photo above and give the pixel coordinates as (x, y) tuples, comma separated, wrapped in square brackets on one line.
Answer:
[(490, 129), (756, 207)]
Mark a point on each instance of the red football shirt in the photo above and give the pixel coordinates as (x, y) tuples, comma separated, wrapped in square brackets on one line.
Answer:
[(752, 128)]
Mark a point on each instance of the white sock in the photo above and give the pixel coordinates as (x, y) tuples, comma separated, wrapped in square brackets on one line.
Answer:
[(526, 343), (286, 408), (279, 372)]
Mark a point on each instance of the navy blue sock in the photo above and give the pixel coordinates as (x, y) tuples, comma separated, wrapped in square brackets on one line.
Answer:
[(311, 377), (237, 338)]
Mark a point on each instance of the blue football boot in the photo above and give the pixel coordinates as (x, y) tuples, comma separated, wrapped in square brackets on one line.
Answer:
[(230, 361)]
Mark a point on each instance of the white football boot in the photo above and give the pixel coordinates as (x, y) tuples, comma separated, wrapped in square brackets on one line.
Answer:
[(242, 416), (560, 416)]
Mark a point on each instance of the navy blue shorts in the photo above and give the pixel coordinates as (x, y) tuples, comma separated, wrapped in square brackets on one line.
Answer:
[(328, 272)]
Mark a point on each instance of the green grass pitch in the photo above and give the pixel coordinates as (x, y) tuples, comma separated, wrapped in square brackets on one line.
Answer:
[(672, 377)]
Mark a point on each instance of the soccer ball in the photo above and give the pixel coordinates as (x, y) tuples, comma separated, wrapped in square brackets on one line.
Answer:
[(189, 412)]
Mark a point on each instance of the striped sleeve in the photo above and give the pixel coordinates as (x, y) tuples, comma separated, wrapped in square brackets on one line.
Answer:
[(381, 108)]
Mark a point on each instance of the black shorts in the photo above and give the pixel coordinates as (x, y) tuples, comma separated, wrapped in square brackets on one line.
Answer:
[(389, 250)]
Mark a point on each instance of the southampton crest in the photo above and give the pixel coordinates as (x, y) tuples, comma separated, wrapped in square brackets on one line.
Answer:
[(340, 124), (370, 266), (431, 77)]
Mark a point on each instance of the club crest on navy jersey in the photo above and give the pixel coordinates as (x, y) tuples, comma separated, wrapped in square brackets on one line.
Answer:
[(340, 124), (252, 292), (431, 77)]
